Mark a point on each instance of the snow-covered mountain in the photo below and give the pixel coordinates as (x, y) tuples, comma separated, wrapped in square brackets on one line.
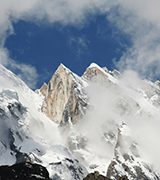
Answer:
[(103, 121), (26, 134)]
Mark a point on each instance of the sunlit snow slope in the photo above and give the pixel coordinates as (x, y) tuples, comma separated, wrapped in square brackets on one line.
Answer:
[(26, 134)]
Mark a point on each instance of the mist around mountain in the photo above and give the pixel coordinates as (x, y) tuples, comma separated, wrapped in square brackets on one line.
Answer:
[(102, 121)]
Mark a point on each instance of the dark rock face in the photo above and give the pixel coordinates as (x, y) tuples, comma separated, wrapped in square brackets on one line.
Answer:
[(123, 178), (24, 171), (76, 171), (97, 176), (16, 109), (111, 170)]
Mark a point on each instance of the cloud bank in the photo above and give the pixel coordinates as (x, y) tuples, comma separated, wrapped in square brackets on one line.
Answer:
[(113, 106), (140, 22)]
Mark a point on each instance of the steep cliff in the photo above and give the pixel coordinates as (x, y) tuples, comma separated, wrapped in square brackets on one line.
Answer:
[(65, 100)]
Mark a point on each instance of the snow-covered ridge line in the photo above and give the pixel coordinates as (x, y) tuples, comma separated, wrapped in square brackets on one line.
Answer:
[(75, 77), (108, 74)]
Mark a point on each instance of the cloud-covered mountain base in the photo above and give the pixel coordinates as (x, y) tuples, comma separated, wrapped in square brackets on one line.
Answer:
[(103, 121)]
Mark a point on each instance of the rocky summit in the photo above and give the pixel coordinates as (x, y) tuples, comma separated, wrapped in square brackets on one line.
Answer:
[(64, 98), (102, 125)]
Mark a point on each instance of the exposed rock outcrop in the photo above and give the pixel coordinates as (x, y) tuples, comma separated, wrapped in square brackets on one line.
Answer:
[(123, 178), (64, 100), (25, 171), (127, 160), (95, 176), (43, 89)]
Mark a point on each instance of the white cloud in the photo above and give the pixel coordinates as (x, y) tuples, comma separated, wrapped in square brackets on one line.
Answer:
[(145, 131), (113, 105), (26, 72), (140, 22), (100, 120), (78, 45), (63, 11)]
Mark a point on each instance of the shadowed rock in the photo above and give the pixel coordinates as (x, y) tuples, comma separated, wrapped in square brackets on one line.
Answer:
[(24, 171), (97, 176)]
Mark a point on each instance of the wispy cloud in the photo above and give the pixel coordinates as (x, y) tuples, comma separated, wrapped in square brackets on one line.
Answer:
[(26, 72), (78, 45)]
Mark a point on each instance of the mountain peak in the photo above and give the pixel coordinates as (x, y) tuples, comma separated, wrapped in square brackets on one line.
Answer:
[(92, 71), (62, 100), (93, 65), (62, 68), (62, 65)]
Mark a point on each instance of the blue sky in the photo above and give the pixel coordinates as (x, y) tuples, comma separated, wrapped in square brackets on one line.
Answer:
[(36, 36), (45, 47)]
